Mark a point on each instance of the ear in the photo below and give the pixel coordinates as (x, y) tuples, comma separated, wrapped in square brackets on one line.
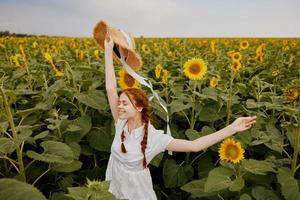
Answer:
[(140, 109)]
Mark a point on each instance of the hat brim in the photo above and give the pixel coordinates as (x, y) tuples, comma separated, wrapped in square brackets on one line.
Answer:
[(133, 59)]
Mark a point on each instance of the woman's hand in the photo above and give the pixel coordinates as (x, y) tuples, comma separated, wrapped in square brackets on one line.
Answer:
[(242, 123)]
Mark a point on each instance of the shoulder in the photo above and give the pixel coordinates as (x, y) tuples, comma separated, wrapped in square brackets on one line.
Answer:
[(156, 134), (119, 124), (153, 131)]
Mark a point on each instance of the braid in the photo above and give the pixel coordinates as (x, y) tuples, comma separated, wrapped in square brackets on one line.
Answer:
[(122, 145), (145, 119)]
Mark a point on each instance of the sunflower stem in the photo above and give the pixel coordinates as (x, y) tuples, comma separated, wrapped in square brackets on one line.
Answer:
[(296, 151), (193, 120), (229, 99), (21, 169)]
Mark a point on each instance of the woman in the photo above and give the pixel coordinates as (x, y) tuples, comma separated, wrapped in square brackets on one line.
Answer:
[(137, 142)]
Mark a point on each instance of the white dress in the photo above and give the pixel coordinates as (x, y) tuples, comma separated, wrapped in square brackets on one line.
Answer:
[(129, 179)]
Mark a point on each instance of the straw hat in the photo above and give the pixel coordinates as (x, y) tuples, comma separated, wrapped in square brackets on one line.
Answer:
[(122, 39)]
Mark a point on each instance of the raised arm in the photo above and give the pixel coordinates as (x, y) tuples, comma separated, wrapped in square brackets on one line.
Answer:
[(110, 78), (240, 124)]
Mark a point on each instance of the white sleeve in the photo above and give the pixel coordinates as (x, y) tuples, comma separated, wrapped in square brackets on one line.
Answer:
[(159, 141), (119, 125)]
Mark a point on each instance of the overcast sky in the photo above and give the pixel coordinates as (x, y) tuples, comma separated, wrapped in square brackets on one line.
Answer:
[(154, 18)]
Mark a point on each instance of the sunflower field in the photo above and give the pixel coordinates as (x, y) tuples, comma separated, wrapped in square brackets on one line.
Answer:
[(56, 126)]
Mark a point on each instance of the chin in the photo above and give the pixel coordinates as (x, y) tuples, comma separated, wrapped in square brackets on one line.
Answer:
[(121, 116)]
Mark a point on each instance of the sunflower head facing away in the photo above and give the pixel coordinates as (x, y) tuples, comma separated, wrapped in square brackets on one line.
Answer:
[(195, 69), (158, 70), (236, 65), (127, 81), (232, 151), (292, 93)]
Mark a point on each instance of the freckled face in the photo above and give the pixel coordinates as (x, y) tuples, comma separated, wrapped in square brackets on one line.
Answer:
[(125, 108)]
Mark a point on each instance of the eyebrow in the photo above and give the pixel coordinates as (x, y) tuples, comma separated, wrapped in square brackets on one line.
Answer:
[(122, 101)]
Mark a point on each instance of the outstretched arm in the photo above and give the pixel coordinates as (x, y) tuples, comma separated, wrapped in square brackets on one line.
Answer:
[(110, 78), (240, 124)]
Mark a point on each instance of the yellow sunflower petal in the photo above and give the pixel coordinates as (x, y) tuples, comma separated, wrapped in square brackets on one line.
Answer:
[(231, 150), (195, 69), (127, 81)]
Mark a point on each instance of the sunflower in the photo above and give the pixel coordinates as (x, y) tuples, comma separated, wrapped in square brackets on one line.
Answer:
[(292, 93), (236, 65), (244, 44), (293, 44), (158, 69), (259, 58), (96, 54), (165, 76), (145, 49), (259, 50), (236, 56), (127, 81), (275, 72), (231, 150), (195, 69), (58, 73), (213, 82)]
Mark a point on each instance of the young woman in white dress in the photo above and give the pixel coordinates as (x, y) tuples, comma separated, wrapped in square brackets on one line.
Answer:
[(137, 142)]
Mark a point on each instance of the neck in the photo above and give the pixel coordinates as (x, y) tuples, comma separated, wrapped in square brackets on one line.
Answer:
[(134, 122)]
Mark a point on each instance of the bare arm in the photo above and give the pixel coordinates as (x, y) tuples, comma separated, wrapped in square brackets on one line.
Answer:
[(110, 79), (240, 124)]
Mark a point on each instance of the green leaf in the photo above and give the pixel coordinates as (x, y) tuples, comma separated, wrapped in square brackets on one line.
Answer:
[(7, 146), (41, 135), (93, 98), (177, 106), (157, 159), (218, 179), (192, 134), (291, 134), (54, 152), (70, 167), (276, 139), (39, 106), (100, 139), (262, 193), (24, 135), (15, 190), (78, 193), (76, 129), (237, 184), (245, 197), (95, 190), (196, 188), (250, 103), (208, 93), (210, 112), (289, 186), (205, 165), (58, 85), (176, 175), (258, 166)]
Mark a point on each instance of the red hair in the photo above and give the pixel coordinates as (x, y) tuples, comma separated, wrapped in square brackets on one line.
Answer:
[(138, 99)]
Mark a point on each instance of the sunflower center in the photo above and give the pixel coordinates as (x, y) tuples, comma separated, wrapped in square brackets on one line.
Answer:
[(236, 56), (194, 69), (232, 152), (129, 81)]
